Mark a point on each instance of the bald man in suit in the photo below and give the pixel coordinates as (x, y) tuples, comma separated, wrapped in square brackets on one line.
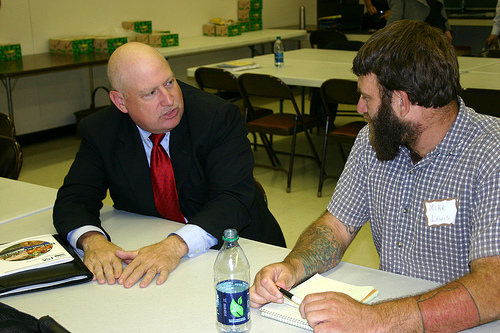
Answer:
[(211, 156)]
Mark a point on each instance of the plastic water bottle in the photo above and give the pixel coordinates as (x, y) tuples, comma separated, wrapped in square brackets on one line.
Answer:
[(278, 52), (232, 282)]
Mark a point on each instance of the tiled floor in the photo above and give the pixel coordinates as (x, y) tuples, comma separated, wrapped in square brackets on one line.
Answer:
[(48, 162)]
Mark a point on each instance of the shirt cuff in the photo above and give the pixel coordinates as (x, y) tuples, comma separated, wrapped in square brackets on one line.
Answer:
[(74, 235), (197, 239)]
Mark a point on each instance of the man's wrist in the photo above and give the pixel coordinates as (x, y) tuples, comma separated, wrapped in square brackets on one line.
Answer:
[(177, 244), (86, 238)]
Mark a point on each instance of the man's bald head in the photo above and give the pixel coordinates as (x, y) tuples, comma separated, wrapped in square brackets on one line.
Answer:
[(125, 61)]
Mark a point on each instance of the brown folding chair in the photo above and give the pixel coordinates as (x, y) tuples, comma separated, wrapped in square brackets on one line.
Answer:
[(11, 157), (337, 91), (225, 85), (7, 126), (282, 124), (482, 100)]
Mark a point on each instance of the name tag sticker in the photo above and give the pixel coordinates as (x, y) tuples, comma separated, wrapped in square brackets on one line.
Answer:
[(440, 212)]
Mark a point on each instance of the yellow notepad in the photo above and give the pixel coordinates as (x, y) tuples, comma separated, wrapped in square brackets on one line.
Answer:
[(288, 312)]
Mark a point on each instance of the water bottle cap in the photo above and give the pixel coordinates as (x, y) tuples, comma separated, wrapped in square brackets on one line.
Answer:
[(230, 235)]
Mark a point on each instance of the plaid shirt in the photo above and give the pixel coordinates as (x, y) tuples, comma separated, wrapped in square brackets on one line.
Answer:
[(391, 195)]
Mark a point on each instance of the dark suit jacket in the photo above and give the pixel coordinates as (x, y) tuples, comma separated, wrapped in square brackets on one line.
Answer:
[(212, 161)]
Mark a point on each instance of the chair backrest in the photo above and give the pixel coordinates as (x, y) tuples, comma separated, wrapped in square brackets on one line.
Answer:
[(11, 158), (346, 45), (339, 91), (264, 86), (7, 126), (482, 100), (321, 38), (218, 79)]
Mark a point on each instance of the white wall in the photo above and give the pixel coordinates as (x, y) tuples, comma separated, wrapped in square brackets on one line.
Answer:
[(49, 100)]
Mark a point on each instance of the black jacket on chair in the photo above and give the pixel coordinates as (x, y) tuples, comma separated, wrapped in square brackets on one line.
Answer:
[(212, 161)]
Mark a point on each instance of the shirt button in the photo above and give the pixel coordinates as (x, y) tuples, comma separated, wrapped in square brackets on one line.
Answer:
[(400, 244), (405, 210), (412, 172)]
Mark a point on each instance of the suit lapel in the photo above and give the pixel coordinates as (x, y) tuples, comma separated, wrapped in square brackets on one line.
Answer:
[(180, 151), (133, 161)]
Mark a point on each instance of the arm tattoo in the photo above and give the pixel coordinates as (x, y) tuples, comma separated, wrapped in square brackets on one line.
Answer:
[(352, 231), (448, 309), (319, 249)]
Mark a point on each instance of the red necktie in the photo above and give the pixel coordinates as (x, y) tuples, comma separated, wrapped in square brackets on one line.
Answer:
[(162, 177)]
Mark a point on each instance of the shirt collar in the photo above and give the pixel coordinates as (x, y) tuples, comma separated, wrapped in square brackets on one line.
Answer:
[(147, 142)]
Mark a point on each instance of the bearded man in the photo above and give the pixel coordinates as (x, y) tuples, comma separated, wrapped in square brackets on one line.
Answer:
[(423, 151)]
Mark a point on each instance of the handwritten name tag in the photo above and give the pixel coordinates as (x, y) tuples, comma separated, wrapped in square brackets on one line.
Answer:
[(440, 212)]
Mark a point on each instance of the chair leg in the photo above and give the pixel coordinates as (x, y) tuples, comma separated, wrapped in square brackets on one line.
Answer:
[(315, 153), (323, 162), (254, 141), (290, 167), (270, 151)]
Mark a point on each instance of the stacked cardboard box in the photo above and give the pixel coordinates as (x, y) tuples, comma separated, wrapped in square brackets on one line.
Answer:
[(10, 52), (72, 45), (108, 44), (143, 27), (250, 14), (163, 39), (221, 28), (148, 36), (159, 39)]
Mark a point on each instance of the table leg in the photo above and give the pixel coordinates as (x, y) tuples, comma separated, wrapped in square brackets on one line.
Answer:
[(8, 89), (91, 80)]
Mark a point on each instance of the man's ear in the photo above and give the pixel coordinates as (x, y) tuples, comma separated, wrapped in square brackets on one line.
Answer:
[(401, 102), (118, 100)]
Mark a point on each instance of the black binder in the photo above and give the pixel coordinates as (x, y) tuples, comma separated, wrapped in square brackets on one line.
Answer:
[(65, 274)]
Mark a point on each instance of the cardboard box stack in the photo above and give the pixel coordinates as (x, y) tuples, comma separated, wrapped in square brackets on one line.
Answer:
[(10, 52), (250, 14), (107, 45), (227, 30), (142, 27), (148, 36), (72, 45), (163, 39), (221, 28)]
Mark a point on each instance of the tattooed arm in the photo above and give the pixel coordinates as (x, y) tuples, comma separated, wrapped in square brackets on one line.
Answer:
[(472, 300), (319, 248)]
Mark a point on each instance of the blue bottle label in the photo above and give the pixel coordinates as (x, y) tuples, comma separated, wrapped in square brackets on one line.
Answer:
[(278, 57), (233, 302)]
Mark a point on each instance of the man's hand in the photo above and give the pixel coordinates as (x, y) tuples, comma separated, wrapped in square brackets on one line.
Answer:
[(264, 288), (371, 9), (337, 312), (100, 257), (160, 258)]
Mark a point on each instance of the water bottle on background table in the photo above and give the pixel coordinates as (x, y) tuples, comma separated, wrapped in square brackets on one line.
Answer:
[(278, 52)]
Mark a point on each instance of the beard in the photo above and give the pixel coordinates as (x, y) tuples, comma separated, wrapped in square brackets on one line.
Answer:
[(388, 133)]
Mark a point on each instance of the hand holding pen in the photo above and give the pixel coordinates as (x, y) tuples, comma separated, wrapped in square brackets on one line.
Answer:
[(290, 296)]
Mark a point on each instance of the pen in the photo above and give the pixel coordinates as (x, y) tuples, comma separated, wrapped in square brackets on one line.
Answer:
[(290, 296)]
